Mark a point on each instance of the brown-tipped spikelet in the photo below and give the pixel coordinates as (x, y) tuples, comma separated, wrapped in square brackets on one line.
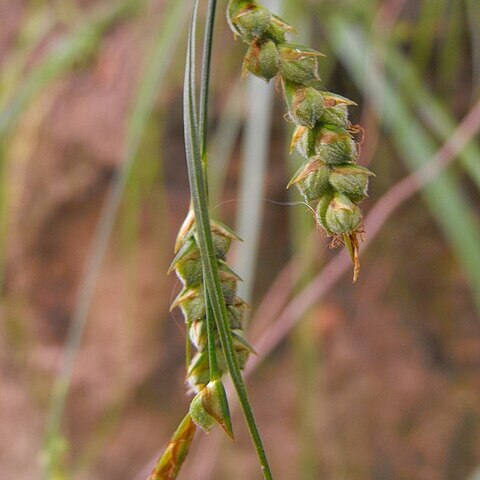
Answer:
[(171, 461), (330, 180)]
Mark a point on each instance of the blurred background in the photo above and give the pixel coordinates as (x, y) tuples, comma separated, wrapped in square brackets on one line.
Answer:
[(377, 381)]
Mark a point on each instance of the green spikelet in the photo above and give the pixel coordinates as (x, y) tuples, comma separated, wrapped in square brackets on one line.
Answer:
[(187, 264), (330, 180), (262, 60)]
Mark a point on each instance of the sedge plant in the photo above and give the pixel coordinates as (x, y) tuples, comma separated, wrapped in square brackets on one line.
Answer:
[(331, 182)]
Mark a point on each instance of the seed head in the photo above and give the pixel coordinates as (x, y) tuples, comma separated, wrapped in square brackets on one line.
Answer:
[(187, 263), (248, 19), (312, 180), (278, 29), (299, 64), (262, 60), (191, 300), (209, 408), (351, 180), (330, 144), (305, 104), (342, 215)]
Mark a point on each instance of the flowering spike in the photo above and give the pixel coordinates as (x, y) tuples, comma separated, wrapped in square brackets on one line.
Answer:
[(323, 135)]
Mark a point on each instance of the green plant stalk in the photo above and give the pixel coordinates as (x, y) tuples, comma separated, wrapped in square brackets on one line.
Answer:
[(211, 277), (154, 76), (203, 134), (205, 79), (215, 373)]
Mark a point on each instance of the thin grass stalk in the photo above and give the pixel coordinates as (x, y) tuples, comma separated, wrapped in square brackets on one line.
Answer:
[(211, 277), (450, 62), (152, 79), (215, 373), (205, 80)]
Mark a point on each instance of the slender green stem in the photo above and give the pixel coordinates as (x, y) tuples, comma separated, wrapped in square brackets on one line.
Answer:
[(215, 373), (205, 81), (202, 128), (212, 281)]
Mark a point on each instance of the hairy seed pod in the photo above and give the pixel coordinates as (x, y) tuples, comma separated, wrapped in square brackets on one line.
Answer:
[(248, 19), (321, 211), (229, 280), (210, 407), (277, 30), (262, 60), (351, 180), (330, 144), (222, 238), (336, 116), (299, 64), (236, 313), (187, 263), (342, 216), (191, 301), (305, 104), (312, 180)]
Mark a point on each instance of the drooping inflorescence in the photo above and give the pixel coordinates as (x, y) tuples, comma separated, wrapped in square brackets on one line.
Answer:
[(330, 180), (209, 407)]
